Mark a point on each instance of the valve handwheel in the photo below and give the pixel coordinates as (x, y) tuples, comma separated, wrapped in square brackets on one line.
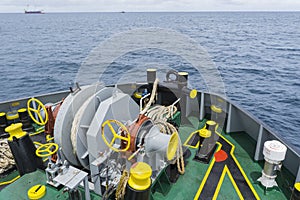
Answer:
[(46, 150), (33, 110), (124, 139)]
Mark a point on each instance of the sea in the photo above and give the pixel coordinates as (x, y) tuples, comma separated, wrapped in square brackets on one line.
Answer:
[(257, 55)]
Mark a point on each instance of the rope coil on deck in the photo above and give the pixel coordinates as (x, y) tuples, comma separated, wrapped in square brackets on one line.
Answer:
[(6, 158)]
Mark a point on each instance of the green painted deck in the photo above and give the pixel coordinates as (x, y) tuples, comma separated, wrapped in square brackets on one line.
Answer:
[(188, 184), (18, 190), (244, 152)]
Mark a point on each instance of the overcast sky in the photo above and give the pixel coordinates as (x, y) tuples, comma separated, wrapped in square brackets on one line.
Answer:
[(150, 5)]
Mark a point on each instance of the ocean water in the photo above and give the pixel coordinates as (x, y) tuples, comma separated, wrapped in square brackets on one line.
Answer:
[(256, 53)]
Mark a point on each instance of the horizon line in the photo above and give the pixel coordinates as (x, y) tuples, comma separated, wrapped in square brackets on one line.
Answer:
[(121, 11)]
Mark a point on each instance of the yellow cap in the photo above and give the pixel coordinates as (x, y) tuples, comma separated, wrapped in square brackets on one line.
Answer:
[(15, 130), (21, 110), (204, 133), (140, 174), (2, 114), (297, 186), (36, 192), (172, 146), (216, 109), (14, 104), (193, 94), (151, 70), (211, 122), (12, 115), (137, 95)]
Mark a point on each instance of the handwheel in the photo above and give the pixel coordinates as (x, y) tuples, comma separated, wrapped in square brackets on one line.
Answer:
[(46, 150), (125, 138), (33, 110)]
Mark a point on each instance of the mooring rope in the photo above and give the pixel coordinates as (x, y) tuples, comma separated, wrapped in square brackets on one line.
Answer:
[(160, 114), (6, 158), (75, 123)]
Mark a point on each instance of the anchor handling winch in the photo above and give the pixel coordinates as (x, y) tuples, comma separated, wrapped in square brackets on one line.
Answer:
[(107, 140), (107, 131)]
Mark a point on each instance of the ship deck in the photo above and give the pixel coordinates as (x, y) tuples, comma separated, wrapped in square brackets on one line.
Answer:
[(225, 183), (233, 178)]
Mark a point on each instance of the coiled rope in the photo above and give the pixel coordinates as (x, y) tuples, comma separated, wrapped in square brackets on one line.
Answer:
[(75, 123), (160, 114), (6, 158)]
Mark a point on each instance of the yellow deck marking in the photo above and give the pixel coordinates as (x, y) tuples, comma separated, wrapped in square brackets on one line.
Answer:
[(226, 170), (237, 163), (186, 143), (207, 173), (191, 135), (239, 166), (189, 138)]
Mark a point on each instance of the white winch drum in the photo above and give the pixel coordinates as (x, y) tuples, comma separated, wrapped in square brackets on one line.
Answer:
[(65, 117)]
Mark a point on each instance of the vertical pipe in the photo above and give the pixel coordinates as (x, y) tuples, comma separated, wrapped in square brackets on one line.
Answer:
[(182, 83), (298, 174), (228, 128), (86, 188), (202, 106), (151, 75), (258, 144), (183, 78)]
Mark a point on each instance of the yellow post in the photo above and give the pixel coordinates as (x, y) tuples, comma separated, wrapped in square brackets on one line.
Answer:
[(140, 174), (15, 130)]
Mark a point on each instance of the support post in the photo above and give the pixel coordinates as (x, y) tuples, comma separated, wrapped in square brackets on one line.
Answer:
[(202, 106), (258, 144), (298, 175), (228, 125), (86, 189)]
